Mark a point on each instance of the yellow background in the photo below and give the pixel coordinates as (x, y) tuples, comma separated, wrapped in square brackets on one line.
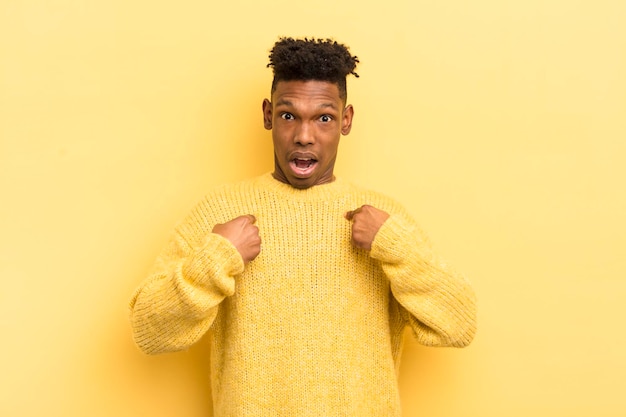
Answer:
[(500, 124)]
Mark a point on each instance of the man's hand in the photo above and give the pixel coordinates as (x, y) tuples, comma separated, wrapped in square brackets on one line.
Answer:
[(243, 234), (366, 221)]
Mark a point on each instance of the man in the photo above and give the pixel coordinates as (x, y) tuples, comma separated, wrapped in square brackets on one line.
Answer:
[(303, 282)]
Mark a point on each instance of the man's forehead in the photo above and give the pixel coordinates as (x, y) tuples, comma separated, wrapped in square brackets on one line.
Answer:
[(321, 92), (315, 101)]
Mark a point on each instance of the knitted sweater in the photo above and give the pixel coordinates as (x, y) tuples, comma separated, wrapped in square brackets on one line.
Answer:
[(313, 326)]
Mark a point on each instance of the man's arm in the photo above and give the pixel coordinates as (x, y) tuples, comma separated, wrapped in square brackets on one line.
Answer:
[(179, 301), (441, 304)]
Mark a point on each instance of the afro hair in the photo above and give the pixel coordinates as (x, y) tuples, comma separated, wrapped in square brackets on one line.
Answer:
[(312, 59)]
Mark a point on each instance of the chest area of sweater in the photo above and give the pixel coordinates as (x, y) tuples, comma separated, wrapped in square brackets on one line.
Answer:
[(307, 255), (308, 274), (306, 248), (314, 228)]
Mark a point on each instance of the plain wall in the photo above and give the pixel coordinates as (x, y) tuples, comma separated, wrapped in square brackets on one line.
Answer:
[(501, 125)]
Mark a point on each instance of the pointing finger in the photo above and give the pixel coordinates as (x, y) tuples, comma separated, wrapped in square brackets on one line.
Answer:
[(350, 214), (248, 217)]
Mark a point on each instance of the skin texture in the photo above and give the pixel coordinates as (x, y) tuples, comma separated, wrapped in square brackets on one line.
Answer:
[(307, 120), (366, 221), (243, 234)]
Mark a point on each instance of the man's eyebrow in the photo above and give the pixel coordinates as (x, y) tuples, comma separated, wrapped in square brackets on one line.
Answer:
[(283, 102)]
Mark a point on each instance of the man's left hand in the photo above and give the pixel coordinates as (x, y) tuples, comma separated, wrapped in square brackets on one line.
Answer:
[(366, 221)]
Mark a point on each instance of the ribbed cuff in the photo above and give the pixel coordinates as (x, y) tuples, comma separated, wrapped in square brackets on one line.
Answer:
[(215, 265), (390, 242)]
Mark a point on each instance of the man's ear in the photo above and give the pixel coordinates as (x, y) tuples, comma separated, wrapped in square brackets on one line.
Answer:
[(346, 119), (267, 114)]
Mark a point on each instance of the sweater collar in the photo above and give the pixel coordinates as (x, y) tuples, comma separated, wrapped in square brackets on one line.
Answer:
[(328, 190)]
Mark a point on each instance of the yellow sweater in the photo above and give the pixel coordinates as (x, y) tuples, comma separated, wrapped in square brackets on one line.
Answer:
[(312, 326)]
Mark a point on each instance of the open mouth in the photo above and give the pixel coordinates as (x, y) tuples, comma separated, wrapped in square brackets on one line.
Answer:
[(303, 166)]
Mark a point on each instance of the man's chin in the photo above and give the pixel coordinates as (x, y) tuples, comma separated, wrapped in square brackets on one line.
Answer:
[(301, 183)]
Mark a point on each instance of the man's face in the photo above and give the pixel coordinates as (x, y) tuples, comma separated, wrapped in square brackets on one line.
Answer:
[(307, 118)]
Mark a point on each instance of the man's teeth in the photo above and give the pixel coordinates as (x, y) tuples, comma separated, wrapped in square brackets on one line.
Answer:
[(304, 162)]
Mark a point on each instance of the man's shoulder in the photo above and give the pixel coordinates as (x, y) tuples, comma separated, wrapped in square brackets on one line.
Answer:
[(377, 198), (220, 203)]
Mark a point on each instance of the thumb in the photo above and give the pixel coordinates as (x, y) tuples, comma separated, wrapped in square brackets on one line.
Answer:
[(349, 215)]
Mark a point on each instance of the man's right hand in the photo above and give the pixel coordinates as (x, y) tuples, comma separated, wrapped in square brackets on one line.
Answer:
[(243, 234)]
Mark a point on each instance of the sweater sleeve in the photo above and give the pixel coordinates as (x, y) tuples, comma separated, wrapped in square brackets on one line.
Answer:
[(440, 305), (178, 302)]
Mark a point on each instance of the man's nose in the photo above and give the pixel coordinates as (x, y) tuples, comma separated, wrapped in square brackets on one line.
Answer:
[(304, 134)]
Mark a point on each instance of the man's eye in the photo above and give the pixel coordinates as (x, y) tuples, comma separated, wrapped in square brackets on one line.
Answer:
[(326, 118), (287, 116)]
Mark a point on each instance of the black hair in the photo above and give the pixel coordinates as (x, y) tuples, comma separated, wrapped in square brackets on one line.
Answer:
[(312, 59)]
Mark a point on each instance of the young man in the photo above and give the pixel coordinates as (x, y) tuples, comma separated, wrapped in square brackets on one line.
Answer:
[(311, 322)]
